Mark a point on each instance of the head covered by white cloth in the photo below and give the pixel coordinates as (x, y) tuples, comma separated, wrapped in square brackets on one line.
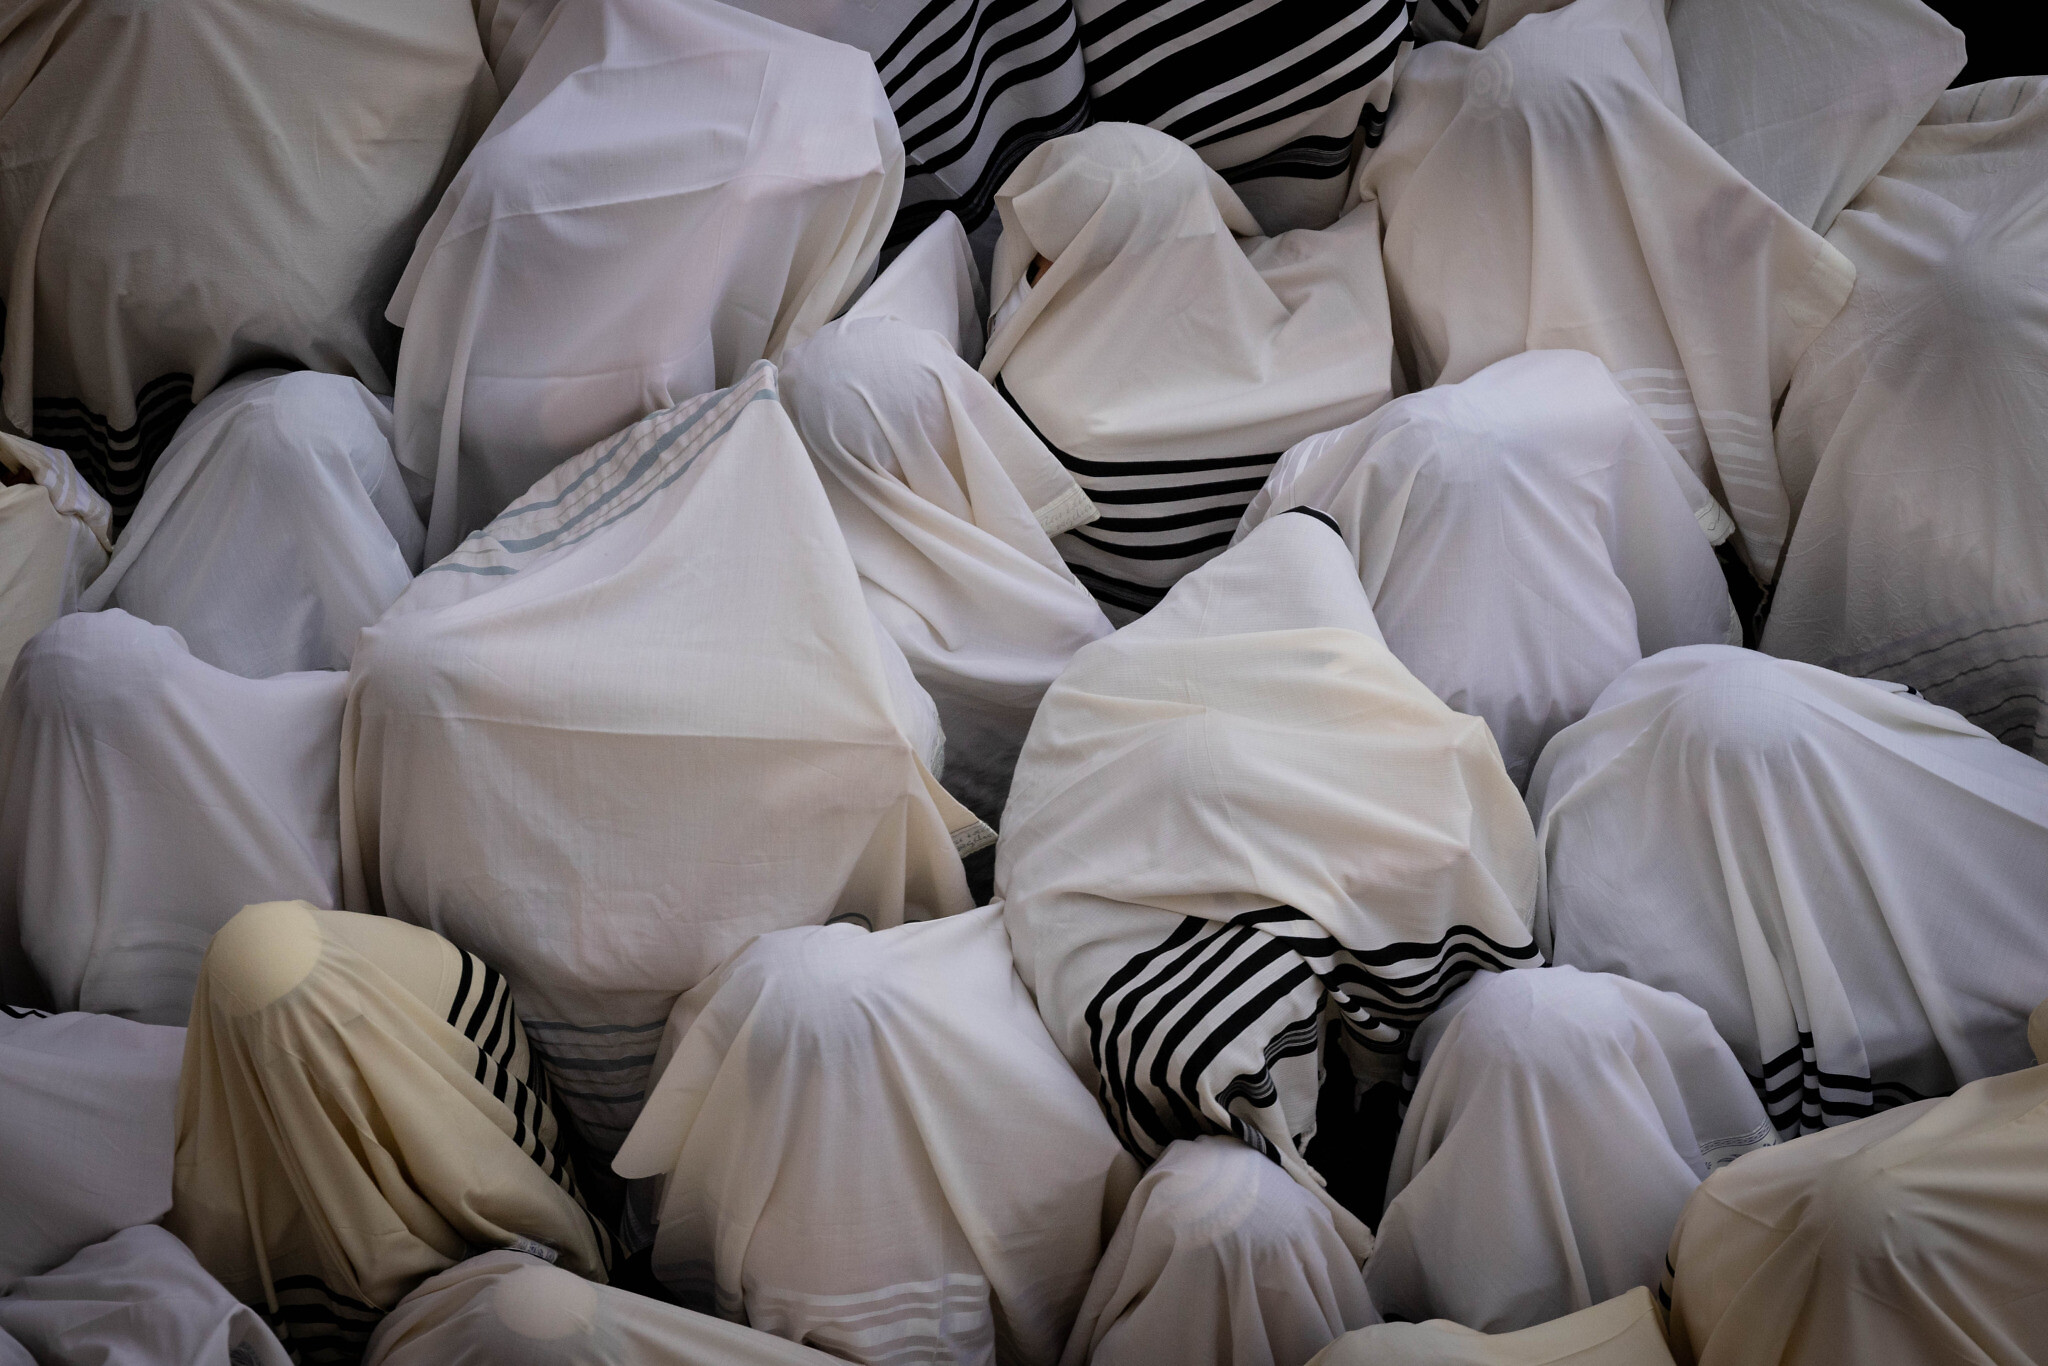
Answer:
[(1239, 820), (1523, 536), (1166, 361), (55, 535), (674, 190), (1845, 877)]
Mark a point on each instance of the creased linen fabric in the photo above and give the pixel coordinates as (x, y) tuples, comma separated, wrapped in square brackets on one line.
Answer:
[(1911, 435), (86, 1130), (359, 1108), (1220, 1259), (191, 189), (1560, 1122), (145, 796), (642, 717), (1523, 536), (55, 535), (545, 307), (1240, 820), (1623, 1331), (870, 1145), (947, 502), (1844, 876), (1546, 193), (275, 526), (1164, 360)]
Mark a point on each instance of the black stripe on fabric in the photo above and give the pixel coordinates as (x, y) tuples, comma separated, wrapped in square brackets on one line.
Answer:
[(1150, 1008), (1304, 159), (1257, 1088), (1231, 118), (486, 997), (23, 1013), (1142, 968), (116, 461), (987, 68), (1177, 550), (1218, 1035), (1106, 588), (1126, 469), (1325, 518), (1232, 513), (469, 961), (974, 206), (1177, 493)]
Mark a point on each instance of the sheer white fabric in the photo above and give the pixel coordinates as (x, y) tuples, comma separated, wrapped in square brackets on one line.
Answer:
[(1625, 1331), (55, 534)]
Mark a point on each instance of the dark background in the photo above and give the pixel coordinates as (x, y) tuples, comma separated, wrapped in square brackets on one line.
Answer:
[(2005, 40)]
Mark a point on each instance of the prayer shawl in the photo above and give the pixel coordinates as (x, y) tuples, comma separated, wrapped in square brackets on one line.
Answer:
[(1912, 434), (946, 500), (1220, 1260), (1911, 1238), (1561, 1122), (1523, 536), (548, 303), (1546, 192), (55, 534), (360, 1110), (640, 718), (1274, 96), (1237, 821), (191, 189), (274, 528), (137, 1299), (86, 1128), (1845, 877), (511, 1309), (144, 796), (869, 1145), (1166, 362), (1624, 1331)]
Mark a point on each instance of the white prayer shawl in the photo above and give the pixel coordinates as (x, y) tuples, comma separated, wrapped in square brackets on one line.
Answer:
[(137, 1299), (1561, 1121), (946, 500), (1912, 431), (55, 534), (870, 1145), (1166, 362), (1547, 193), (148, 796), (1624, 1331), (1220, 1260), (1524, 536), (195, 188), (546, 305), (86, 1130), (1845, 877), (1237, 821), (640, 718), (274, 528)]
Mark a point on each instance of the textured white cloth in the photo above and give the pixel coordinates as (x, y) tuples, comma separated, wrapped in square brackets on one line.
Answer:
[(1624, 1331), (1546, 192), (147, 797), (1166, 361), (86, 1130), (870, 1145), (1808, 98), (1913, 428), (54, 537), (674, 190), (1561, 1121), (1845, 877), (1221, 1259), (137, 1299), (642, 717), (1524, 536), (274, 528), (1238, 821)]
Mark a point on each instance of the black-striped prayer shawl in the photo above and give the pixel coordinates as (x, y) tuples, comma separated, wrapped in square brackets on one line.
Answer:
[(1801, 1098)]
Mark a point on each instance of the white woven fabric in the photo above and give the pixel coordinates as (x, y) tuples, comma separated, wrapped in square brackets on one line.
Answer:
[(1624, 1331), (54, 537)]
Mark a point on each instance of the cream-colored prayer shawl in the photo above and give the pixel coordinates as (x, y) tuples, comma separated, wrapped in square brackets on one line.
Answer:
[(1623, 1331), (55, 535)]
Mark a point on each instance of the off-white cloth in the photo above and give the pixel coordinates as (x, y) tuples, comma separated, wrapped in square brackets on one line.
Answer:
[(1846, 877), (1912, 430), (1220, 1260), (1624, 1331), (359, 1110), (870, 1145), (147, 796), (1546, 192), (1561, 1121), (55, 534), (642, 717), (1524, 536), (274, 528), (86, 1131), (1239, 820), (674, 190), (194, 188), (947, 501), (1166, 361), (1808, 98), (1912, 1237), (137, 1299)]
